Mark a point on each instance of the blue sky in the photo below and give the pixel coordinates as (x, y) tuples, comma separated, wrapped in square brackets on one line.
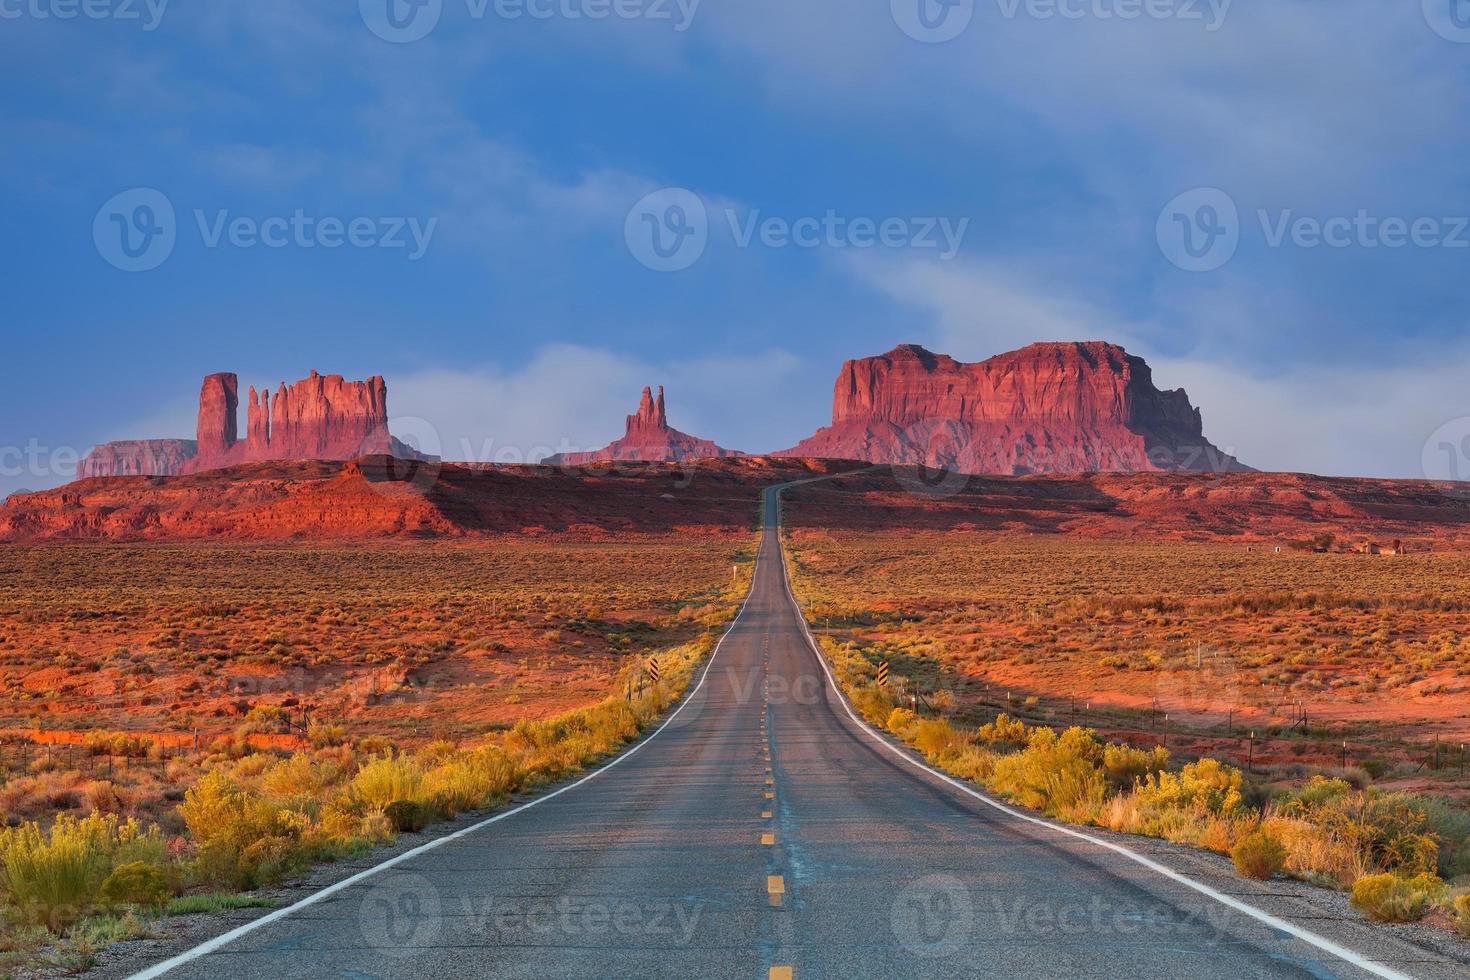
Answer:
[(528, 323)]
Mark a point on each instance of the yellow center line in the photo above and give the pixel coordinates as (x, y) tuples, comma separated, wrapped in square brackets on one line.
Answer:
[(770, 795), (782, 973), (775, 888), (768, 839), (765, 814)]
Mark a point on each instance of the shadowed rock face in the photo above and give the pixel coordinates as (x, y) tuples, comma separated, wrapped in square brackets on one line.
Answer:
[(649, 438), (1048, 408), (139, 457)]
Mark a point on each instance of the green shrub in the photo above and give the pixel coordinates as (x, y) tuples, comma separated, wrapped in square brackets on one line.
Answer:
[(1396, 898), (136, 883), (409, 816), (1258, 855), (1390, 831)]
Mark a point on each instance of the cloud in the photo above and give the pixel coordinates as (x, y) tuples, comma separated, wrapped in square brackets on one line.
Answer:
[(981, 308), (571, 398), (1298, 416)]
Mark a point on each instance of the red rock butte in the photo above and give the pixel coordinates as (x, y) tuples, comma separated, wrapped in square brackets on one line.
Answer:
[(649, 438), (1047, 408), (317, 418), (137, 457)]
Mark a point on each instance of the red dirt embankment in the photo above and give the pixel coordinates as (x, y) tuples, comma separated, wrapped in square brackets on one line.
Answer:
[(379, 497)]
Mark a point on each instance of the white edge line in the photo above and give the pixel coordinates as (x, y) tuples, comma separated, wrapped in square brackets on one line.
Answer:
[(1306, 936), (224, 939)]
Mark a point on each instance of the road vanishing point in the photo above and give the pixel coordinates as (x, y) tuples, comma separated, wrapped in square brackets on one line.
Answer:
[(764, 832)]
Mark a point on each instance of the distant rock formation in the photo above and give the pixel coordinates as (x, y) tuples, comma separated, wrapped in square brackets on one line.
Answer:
[(649, 438), (319, 417), (1048, 408), (138, 457)]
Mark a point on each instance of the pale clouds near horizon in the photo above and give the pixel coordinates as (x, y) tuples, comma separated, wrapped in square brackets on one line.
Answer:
[(1328, 419), (572, 398)]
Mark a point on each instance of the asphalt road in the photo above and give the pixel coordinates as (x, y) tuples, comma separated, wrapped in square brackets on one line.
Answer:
[(764, 829)]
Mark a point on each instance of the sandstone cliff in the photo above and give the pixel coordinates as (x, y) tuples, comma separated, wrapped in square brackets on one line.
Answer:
[(139, 457), (319, 417), (649, 438), (1048, 408)]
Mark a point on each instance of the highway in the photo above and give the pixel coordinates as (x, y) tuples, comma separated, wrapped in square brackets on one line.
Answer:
[(764, 833)]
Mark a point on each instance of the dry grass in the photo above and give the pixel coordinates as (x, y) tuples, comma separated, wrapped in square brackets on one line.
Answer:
[(1374, 650), (432, 679), (963, 620)]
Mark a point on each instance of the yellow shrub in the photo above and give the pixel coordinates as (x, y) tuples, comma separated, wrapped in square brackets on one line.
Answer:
[(1394, 898), (388, 779), (1004, 729), (1055, 773), (1126, 765), (243, 839), (899, 720), (1259, 856), (1459, 909), (1207, 786), (53, 877)]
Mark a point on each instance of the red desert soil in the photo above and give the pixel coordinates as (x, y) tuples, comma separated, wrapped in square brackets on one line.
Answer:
[(377, 497)]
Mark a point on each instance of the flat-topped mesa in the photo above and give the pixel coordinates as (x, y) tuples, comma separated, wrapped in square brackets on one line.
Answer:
[(319, 417), (1047, 408), (649, 438), (137, 457)]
